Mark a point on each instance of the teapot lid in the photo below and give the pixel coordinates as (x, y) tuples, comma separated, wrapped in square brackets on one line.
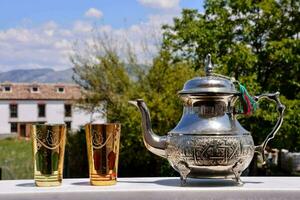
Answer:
[(210, 84)]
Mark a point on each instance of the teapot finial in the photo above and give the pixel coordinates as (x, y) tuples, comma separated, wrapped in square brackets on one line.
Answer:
[(208, 65)]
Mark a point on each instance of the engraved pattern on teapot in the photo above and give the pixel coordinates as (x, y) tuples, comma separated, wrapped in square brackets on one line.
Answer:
[(212, 151)]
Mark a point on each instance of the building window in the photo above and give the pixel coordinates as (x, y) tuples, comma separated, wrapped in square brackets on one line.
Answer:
[(35, 89), (41, 110), (6, 88), (13, 109), (60, 89), (68, 125), (13, 127), (68, 110)]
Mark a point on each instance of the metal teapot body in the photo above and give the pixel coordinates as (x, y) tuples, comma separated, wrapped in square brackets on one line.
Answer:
[(208, 141)]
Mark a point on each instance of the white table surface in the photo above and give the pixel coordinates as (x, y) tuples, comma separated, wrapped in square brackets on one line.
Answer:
[(156, 188)]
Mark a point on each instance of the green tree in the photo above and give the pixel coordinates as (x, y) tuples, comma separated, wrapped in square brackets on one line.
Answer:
[(258, 43)]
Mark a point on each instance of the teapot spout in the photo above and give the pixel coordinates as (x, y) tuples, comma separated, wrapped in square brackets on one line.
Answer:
[(154, 143)]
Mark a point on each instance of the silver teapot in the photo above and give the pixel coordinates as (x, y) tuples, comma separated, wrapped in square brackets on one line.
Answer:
[(208, 141)]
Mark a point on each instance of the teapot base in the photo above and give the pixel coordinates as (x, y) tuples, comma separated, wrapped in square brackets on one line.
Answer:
[(217, 181), (222, 157), (220, 172)]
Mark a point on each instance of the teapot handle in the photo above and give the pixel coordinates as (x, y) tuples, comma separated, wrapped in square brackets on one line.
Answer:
[(280, 108)]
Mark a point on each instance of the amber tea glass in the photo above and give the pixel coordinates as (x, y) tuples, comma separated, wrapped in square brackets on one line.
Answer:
[(48, 145), (103, 152)]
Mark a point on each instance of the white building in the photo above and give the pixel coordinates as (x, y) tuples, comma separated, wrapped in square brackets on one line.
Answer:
[(22, 104)]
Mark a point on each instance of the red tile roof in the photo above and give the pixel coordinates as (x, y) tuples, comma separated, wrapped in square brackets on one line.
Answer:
[(46, 91)]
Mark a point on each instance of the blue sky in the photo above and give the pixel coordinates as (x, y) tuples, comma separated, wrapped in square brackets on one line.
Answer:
[(40, 33)]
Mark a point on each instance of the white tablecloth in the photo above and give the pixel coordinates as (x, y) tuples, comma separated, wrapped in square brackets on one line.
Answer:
[(263, 188)]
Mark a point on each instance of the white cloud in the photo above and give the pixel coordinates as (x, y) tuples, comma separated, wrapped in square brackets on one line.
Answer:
[(93, 13), (161, 4), (38, 47), (50, 25), (50, 45), (82, 26), (144, 37)]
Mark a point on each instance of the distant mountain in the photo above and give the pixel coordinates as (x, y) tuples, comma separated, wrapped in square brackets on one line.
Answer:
[(63, 76), (37, 75), (47, 75)]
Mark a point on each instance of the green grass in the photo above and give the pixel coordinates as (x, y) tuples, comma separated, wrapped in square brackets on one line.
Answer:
[(16, 159)]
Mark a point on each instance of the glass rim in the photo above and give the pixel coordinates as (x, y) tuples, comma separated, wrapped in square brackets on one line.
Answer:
[(49, 124), (108, 123)]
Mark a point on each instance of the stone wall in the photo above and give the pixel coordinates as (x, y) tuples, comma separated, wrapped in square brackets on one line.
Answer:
[(290, 161)]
